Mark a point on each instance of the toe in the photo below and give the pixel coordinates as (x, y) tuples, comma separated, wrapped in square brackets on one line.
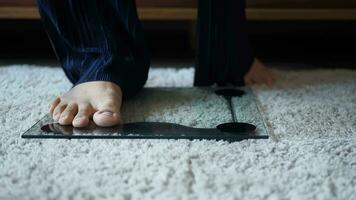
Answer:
[(108, 113), (54, 103), (83, 115), (268, 78), (68, 114), (269, 81), (106, 118), (58, 111)]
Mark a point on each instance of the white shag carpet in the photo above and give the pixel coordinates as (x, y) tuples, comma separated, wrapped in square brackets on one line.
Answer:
[(313, 156)]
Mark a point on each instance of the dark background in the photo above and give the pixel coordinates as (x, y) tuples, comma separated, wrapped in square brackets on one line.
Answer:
[(326, 43)]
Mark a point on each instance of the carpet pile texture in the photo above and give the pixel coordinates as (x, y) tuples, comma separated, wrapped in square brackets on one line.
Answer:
[(312, 114)]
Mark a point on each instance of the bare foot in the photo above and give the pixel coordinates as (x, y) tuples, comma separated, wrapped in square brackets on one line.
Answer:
[(259, 74), (100, 100)]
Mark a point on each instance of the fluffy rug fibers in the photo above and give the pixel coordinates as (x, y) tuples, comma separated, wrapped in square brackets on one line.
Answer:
[(312, 114)]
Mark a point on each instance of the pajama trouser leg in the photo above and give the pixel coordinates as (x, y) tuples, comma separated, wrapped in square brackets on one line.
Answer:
[(97, 40), (224, 55)]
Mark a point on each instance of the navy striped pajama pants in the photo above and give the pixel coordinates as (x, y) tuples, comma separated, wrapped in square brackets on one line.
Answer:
[(103, 40)]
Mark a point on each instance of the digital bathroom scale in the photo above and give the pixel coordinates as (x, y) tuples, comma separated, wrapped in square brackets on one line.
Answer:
[(173, 113)]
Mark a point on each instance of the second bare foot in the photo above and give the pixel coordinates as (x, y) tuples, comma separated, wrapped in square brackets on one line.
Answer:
[(259, 74)]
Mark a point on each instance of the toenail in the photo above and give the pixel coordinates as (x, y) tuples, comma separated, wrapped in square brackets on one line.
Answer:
[(106, 113)]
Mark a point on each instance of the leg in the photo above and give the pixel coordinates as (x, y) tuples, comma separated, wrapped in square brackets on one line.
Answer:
[(224, 55), (101, 48), (97, 40)]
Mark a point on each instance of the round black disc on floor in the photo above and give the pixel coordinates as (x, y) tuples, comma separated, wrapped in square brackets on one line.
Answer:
[(230, 92), (236, 128)]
